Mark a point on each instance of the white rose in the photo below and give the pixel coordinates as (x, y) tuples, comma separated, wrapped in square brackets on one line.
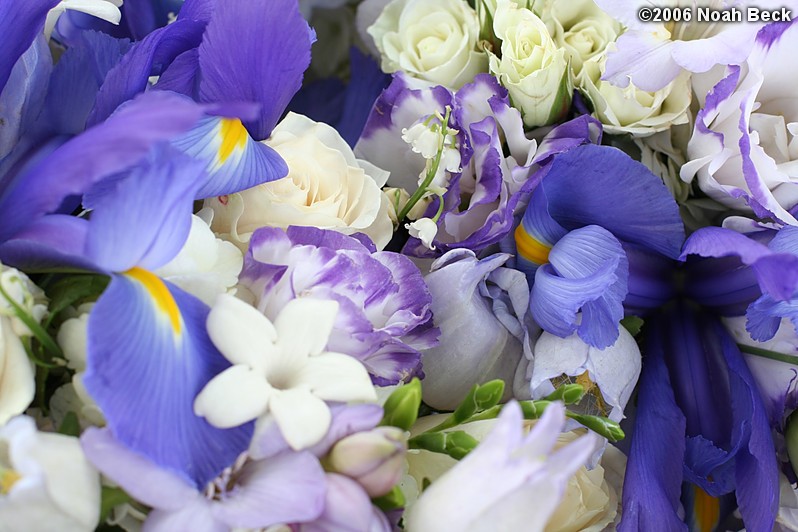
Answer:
[(581, 29), (532, 67), (17, 385), (633, 110), (431, 41), (591, 499), (326, 187)]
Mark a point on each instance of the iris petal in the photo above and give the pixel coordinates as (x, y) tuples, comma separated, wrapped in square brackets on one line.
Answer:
[(588, 271), (144, 369), (234, 161)]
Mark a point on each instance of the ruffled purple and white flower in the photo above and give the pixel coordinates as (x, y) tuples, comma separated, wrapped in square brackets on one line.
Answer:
[(744, 148), (479, 201), (384, 317)]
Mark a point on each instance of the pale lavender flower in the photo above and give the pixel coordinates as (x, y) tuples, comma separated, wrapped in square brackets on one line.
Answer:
[(511, 481)]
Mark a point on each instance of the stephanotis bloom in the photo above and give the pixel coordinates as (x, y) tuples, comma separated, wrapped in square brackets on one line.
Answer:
[(744, 148), (46, 483), (492, 487), (280, 368), (384, 318), (576, 250)]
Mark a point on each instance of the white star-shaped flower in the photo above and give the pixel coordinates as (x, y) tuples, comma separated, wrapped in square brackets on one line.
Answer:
[(280, 369)]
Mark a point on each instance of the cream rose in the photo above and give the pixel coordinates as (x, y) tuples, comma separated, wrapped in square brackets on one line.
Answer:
[(532, 67), (326, 187), (17, 385), (591, 499), (581, 29), (432, 41), (633, 110)]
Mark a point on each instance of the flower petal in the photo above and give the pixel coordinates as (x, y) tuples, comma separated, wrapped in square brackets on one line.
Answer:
[(241, 62), (302, 417), (233, 397), (287, 488), (588, 272), (337, 377), (234, 161), (304, 326), (148, 358), (240, 332)]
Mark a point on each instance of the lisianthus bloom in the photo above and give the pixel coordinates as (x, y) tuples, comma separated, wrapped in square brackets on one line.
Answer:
[(478, 201), (492, 486), (45, 480), (384, 318), (652, 54), (744, 151)]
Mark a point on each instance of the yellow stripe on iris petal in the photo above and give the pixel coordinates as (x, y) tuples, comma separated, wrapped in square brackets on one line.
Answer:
[(706, 510), (530, 248), (233, 135), (8, 477), (160, 294)]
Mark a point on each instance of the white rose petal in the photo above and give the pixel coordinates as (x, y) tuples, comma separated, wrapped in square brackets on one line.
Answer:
[(326, 187)]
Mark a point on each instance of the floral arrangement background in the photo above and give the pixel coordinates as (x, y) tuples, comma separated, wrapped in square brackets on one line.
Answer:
[(397, 265)]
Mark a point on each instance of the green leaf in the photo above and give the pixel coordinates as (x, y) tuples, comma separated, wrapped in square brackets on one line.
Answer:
[(633, 324), (111, 497), (401, 408), (791, 438), (70, 425), (390, 501), (74, 289)]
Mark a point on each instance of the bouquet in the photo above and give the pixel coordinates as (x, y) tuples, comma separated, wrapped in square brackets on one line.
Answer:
[(455, 265)]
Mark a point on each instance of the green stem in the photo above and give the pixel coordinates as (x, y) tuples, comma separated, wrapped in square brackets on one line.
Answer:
[(38, 331), (772, 355), (422, 189)]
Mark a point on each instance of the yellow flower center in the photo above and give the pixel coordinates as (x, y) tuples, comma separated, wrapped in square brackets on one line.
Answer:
[(8, 477)]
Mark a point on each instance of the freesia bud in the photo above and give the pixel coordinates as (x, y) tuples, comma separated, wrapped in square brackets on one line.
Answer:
[(374, 458)]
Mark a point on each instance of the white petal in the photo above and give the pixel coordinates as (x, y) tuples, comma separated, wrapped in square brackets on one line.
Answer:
[(304, 326), (235, 396), (302, 417), (240, 332), (337, 377), (17, 386)]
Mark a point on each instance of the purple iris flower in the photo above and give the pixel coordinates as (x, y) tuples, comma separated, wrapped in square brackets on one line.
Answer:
[(148, 350), (594, 209), (384, 317), (698, 406), (219, 52)]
